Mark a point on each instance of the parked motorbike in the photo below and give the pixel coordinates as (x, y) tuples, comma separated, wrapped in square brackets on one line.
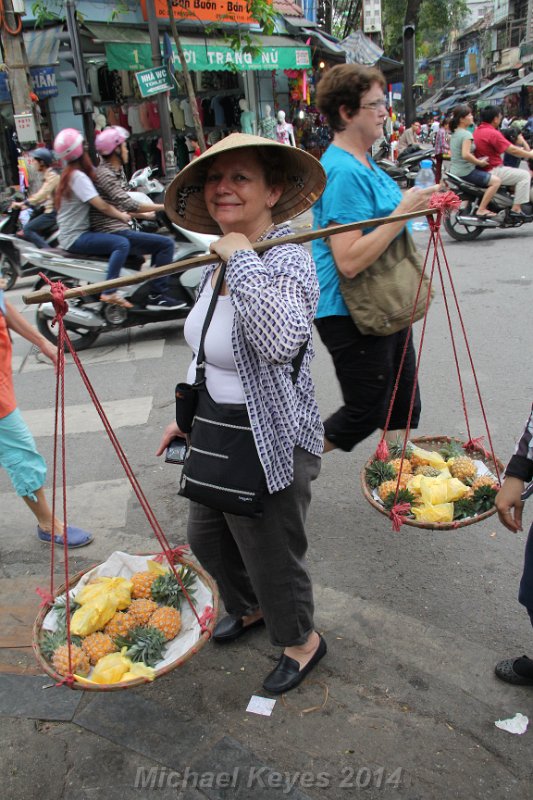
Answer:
[(463, 224), (410, 159), (87, 317), (12, 266)]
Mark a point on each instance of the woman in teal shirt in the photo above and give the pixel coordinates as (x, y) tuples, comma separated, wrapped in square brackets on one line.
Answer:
[(351, 97)]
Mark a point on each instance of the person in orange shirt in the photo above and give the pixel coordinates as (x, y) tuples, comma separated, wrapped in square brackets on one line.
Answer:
[(18, 453)]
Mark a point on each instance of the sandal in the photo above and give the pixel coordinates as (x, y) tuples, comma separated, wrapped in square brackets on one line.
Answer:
[(115, 300), (505, 671), (486, 214), (76, 537)]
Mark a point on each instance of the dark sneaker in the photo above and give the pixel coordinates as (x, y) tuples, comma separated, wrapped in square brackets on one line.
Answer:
[(162, 302)]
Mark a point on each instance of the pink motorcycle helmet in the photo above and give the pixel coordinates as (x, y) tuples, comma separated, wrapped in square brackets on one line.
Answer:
[(110, 138), (68, 144)]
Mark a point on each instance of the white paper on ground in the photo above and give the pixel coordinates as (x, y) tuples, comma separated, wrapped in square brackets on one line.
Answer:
[(261, 705), (516, 724)]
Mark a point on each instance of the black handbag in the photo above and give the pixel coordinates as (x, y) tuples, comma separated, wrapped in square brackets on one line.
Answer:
[(222, 469)]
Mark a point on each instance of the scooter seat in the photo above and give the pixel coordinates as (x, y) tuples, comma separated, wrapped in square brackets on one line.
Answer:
[(58, 251)]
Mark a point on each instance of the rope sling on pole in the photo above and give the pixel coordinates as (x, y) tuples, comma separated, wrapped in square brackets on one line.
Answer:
[(398, 513)]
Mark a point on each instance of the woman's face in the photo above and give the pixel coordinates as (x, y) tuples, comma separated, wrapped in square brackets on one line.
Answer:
[(237, 195), (467, 120), (368, 121)]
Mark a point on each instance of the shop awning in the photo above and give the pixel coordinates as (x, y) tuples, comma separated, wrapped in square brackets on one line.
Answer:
[(511, 88), (126, 46), (324, 42), (42, 46), (212, 55), (487, 86)]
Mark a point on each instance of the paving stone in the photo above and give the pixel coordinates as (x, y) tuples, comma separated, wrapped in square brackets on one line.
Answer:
[(230, 770), (167, 735), (25, 696)]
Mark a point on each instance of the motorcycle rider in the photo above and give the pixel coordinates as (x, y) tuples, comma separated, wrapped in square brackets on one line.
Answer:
[(36, 225), (75, 195), (491, 142), (109, 180), (410, 136)]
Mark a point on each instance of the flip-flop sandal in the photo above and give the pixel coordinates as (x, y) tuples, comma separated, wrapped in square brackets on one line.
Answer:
[(76, 537), (487, 215), (505, 671), (115, 300)]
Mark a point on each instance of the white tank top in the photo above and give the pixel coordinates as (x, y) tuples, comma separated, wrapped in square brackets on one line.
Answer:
[(222, 379)]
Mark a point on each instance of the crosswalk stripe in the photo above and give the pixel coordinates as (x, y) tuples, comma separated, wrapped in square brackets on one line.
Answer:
[(84, 418)]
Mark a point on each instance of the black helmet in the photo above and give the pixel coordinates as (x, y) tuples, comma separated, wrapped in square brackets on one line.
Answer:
[(43, 154)]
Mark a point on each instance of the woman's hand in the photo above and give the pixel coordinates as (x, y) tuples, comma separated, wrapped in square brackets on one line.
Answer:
[(170, 432), (509, 505), (416, 199), (123, 216), (227, 245)]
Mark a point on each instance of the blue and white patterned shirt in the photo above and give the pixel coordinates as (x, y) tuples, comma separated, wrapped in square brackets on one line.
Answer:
[(275, 296)]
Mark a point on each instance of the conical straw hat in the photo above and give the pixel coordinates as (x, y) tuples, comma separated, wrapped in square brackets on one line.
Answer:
[(184, 198)]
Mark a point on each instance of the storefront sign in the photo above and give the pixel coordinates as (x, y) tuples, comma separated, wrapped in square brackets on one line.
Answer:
[(207, 57), (25, 127), (44, 82), (153, 81), (132, 57), (5, 92), (203, 10)]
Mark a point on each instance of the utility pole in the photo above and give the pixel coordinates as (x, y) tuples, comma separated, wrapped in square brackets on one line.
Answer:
[(28, 128), (409, 54), (164, 114)]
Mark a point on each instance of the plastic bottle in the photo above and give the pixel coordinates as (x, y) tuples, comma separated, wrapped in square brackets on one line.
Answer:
[(424, 179)]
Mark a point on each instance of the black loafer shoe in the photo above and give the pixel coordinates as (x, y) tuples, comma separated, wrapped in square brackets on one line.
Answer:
[(287, 674), (230, 628)]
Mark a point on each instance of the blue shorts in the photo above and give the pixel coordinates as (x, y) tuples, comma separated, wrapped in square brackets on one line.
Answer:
[(19, 457), (478, 177)]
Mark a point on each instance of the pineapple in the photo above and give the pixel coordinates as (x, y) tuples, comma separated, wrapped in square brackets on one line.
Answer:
[(98, 645), (144, 644), (404, 496), (483, 480), (142, 584), (396, 449), (119, 624), (483, 497), (464, 469), (406, 466), (452, 449), (141, 610), (463, 508), (80, 660), (167, 620), (167, 591), (418, 460), (379, 471), (428, 472), (387, 487), (53, 639)]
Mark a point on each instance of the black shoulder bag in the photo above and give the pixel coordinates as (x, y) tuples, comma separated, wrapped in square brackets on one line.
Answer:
[(222, 469)]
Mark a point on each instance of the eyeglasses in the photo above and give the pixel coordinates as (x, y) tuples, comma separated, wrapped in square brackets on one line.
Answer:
[(375, 105)]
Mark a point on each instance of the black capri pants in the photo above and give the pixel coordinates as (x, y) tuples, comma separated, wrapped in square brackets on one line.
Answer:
[(366, 368)]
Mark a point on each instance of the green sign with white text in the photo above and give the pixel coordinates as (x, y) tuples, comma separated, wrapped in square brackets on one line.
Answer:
[(153, 81)]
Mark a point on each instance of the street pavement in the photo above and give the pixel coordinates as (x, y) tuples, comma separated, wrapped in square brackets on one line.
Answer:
[(404, 704)]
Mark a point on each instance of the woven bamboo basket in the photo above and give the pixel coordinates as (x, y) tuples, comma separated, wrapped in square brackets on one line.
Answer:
[(201, 574), (434, 443)]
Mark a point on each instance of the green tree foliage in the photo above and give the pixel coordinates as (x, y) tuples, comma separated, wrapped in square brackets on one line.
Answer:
[(434, 19)]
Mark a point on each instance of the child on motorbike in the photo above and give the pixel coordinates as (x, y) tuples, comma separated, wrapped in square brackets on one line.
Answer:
[(109, 180)]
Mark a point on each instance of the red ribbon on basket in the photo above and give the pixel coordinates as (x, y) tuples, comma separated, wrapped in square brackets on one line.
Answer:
[(445, 202), (47, 597), (382, 451), (397, 514)]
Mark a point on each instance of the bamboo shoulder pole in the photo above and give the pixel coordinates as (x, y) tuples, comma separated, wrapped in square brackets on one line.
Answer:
[(44, 295)]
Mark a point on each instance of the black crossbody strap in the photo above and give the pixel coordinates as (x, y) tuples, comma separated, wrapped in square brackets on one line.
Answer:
[(200, 358)]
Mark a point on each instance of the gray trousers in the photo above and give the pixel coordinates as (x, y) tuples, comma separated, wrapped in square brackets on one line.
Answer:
[(260, 563)]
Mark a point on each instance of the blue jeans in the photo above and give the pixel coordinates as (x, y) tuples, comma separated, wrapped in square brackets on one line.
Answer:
[(161, 248), (36, 226), (103, 244)]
